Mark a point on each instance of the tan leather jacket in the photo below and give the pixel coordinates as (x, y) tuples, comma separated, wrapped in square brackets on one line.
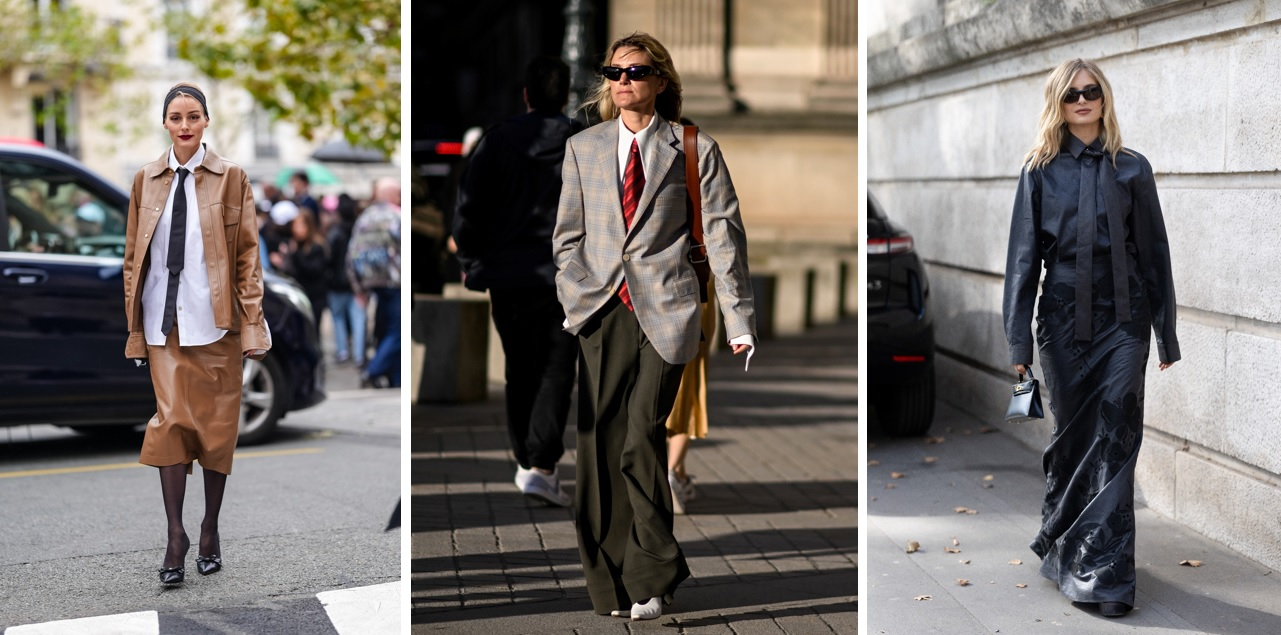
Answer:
[(228, 219)]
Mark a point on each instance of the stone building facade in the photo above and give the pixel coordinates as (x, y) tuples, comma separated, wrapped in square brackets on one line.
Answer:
[(954, 93), (775, 82)]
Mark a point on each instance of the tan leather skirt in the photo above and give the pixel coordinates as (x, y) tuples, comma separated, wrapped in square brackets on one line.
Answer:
[(197, 404)]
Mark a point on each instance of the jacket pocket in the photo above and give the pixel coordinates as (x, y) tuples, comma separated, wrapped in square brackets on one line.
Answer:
[(575, 272), (230, 221), (686, 285)]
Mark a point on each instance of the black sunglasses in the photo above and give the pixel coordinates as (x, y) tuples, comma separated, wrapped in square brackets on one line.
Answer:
[(614, 73), (1093, 93)]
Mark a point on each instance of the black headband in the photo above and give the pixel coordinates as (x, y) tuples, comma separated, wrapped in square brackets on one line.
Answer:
[(189, 91)]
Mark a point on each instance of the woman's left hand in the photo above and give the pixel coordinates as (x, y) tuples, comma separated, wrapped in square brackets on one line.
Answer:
[(1165, 365)]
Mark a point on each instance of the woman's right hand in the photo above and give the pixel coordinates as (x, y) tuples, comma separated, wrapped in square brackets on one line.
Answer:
[(1020, 369)]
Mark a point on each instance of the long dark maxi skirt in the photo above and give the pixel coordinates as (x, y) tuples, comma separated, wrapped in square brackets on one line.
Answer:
[(1086, 541)]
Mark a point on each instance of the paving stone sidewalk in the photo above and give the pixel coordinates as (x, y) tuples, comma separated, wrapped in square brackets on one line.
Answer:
[(920, 493), (771, 536)]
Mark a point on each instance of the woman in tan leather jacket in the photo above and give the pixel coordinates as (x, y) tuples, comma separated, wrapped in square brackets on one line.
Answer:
[(193, 296)]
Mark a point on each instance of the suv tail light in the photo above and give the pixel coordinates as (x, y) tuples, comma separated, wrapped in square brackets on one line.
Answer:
[(895, 245)]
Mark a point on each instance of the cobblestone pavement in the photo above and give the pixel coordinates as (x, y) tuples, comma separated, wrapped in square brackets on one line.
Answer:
[(771, 537)]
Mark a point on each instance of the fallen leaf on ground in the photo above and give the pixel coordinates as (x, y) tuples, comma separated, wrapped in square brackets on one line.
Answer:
[(962, 582), (987, 429), (966, 432), (1020, 586), (1191, 563), (966, 561), (890, 486), (931, 440), (955, 542), (965, 510), (897, 475), (930, 459), (873, 498), (951, 550), (873, 463), (989, 477), (922, 597), (988, 486), (1016, 561), (913, 546)]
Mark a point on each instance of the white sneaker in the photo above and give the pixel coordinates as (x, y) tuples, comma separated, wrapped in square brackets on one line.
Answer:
[(522, 477), (542, 487), (653, 609), (682, 491)]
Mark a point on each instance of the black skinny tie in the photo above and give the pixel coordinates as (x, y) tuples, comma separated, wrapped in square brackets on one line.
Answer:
[(177, 249), (1095, 169)]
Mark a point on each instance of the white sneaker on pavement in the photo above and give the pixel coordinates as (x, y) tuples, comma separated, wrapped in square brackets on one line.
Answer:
[(653, 609), (542, 487)]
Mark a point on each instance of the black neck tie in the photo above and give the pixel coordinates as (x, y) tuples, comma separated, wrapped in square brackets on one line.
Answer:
[(177, 252), (1096, 173)]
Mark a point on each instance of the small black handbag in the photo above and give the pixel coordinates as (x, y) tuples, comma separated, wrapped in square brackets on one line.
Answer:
[(1025, 403)]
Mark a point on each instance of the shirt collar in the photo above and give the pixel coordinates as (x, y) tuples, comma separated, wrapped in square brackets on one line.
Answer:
[(196, 159), (625, 136), (1076, 146)]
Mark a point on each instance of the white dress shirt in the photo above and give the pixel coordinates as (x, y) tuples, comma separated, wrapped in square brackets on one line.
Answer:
[(195, 315), (643, 142)]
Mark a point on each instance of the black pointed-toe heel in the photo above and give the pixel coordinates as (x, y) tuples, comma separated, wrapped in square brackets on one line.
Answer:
[(172, 576), (208, 564)]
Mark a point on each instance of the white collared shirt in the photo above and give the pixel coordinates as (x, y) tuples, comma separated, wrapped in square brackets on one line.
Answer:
[(642, 138), (195, 315)]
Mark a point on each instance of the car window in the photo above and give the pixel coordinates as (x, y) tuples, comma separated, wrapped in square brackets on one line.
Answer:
[(49, 210), (874, 208)]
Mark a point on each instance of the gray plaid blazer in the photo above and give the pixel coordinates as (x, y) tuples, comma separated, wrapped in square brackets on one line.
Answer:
[(593, 249)]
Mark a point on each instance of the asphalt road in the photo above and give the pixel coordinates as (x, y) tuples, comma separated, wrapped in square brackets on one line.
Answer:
[(83, 527)]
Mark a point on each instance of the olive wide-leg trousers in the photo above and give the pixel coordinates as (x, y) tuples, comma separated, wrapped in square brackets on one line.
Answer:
[(623, 502)]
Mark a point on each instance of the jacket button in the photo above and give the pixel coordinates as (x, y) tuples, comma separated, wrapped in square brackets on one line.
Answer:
[(626, 257)]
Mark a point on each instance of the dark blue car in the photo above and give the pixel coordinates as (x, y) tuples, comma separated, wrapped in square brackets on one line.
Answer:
[(62, 318)]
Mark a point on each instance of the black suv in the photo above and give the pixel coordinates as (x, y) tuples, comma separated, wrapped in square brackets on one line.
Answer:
[(900, 328), (62, 317)]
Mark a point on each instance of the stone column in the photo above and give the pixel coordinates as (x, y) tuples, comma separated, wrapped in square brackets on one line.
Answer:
[(694, 32), (837, 90)]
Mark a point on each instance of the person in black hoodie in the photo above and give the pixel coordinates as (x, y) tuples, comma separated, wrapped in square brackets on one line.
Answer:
[(505, 214)]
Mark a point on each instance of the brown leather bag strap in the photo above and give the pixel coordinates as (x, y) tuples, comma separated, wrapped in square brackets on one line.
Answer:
[(693, 187)]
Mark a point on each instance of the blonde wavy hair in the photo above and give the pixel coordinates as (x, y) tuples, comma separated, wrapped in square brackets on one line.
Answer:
[(1049, 136), (668, 104)]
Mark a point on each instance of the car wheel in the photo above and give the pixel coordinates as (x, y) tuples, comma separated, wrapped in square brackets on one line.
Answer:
[(263, 390), (907, 410)]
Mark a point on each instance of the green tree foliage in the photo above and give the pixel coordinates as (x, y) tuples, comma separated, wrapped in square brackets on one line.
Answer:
[(63, 46), (322, 65)]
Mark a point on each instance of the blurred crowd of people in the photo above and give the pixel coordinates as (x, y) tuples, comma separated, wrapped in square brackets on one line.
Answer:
[(343, 252)]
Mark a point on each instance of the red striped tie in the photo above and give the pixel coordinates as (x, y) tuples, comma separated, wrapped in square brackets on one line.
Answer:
[(633, 185)]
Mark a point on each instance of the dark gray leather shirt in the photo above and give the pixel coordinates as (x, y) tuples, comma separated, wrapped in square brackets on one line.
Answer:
[(1044, 232)]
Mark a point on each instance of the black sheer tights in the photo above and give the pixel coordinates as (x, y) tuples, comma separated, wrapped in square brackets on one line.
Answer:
[(173, 486)]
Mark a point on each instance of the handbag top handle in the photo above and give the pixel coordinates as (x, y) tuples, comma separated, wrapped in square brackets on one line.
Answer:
[(1029, 372), (693, 189)]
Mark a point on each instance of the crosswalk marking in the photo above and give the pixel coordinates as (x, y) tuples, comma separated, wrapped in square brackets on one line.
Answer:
[(370, 610), (144, 623)]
